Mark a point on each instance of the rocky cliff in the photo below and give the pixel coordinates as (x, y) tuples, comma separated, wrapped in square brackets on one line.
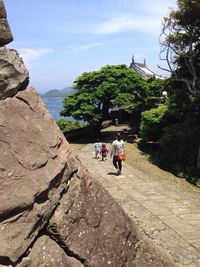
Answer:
[(52, 211)]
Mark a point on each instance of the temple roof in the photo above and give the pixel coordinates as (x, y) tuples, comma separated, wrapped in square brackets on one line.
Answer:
[(143, 70)]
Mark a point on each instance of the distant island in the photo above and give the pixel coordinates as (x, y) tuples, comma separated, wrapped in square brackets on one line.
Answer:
[(59, 93)]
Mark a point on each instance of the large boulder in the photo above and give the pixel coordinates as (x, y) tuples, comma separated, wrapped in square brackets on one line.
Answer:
[(13, 74), (6, 35), (92, 225), (35, 164)]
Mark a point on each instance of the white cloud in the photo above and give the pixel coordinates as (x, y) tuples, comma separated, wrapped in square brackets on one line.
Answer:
[(128, 23), (158, 7), (144, 16), (30, 54), (73, 48)]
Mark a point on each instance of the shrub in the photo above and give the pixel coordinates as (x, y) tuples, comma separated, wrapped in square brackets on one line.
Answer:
[(179, 145), (67, 125), (152, 122)]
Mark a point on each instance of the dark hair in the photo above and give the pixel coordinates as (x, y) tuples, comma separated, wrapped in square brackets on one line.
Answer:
[(118, 136), (103, 145)]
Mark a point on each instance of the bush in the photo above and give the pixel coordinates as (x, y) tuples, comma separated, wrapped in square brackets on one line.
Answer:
[(67, 125), (152, 122), (179, 145)]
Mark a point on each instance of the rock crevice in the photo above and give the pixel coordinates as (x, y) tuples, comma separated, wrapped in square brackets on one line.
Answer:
[(55, 236)]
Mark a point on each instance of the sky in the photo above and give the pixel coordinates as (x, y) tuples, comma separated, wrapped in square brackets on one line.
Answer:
[(59, 40)]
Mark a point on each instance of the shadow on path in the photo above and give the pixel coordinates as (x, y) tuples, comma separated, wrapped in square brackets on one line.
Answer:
[(112, 173)]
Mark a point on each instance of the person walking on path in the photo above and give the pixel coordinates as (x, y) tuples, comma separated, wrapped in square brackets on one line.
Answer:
[(97, 148), (104, 152), (118, 153)]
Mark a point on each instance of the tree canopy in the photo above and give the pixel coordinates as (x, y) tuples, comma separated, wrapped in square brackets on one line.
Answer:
[(180, 40), (98, 91)]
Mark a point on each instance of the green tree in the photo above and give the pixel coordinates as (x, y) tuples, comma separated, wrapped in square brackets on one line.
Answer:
[(180, 44), (148, 95), (98, 91), (180, 47), (152, 122)]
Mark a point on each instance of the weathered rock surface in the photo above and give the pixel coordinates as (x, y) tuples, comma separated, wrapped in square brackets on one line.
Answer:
[(35, 164), (46, 252), (13, 75), (91, 225), (149, 255), (5, 33)]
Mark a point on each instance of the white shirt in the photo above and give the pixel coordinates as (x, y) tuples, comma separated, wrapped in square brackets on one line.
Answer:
[(117, 148), (97, 146)]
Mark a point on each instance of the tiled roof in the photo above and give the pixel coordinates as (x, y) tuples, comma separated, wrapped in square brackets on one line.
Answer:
[(143, 70)]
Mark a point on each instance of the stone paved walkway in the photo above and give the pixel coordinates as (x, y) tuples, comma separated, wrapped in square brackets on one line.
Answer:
[(164, 212)]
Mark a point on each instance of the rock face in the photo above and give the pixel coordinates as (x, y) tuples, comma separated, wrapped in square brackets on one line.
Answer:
[(46, 252), (6, 35), (91, 225), (35, 163), (13, 74)]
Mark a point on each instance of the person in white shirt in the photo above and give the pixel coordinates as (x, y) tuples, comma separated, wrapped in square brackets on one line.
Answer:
[(117, 149), (97, 148)]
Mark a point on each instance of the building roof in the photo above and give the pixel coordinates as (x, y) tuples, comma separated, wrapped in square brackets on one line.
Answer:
[(143, 70)]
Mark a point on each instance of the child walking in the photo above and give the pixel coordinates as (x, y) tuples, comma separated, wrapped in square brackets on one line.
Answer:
[(104, 152), (97, 148)]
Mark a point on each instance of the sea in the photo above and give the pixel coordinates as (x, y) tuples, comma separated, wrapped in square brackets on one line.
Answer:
[(55, 105)]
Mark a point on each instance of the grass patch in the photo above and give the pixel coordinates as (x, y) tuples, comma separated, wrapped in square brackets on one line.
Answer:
[(139, 160)]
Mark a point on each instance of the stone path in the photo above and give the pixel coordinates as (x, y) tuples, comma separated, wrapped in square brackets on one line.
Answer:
[(164, 212)]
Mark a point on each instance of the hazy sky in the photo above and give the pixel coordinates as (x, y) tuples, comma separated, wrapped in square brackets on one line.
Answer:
[(60, 40)]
